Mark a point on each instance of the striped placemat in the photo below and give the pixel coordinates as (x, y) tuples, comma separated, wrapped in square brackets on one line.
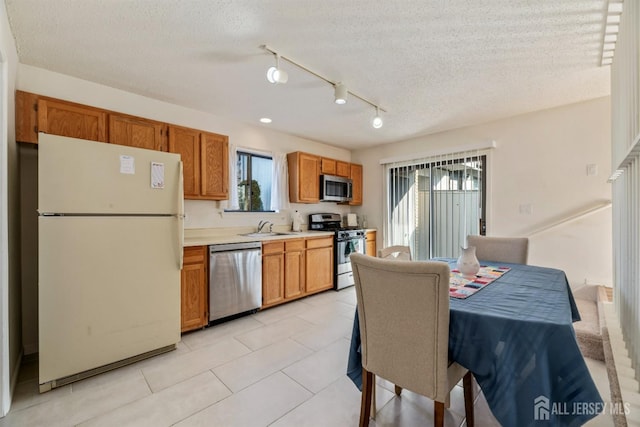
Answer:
[(463, 287)]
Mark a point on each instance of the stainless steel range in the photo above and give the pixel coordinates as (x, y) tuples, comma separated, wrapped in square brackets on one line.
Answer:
[(346, 240)]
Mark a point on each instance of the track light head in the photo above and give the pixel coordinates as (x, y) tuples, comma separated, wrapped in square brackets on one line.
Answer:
[(275, 74), (377, 120), (340, 94)]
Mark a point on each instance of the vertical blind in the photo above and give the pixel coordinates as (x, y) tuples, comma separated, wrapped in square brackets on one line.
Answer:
[(433, 203), (625, 135)]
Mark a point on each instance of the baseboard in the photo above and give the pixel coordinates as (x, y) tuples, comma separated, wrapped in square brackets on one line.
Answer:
[(14, 381), (629, 386)]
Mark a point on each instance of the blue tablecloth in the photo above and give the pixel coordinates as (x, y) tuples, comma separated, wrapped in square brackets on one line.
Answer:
[(516, 337)]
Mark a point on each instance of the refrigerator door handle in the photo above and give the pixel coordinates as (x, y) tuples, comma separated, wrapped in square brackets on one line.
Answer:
[(181, 216)]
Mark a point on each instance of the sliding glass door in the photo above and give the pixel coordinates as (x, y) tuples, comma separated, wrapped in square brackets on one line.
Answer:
[(435, 203)]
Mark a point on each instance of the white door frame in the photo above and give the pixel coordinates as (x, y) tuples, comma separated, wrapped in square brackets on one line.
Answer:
[(5, 393)]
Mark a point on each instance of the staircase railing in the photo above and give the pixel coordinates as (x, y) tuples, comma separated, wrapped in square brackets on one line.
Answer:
[(580, 215)]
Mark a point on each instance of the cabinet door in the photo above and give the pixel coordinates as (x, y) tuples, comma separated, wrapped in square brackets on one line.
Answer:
[(371, 243), (193, 289), (272, 279), (356, 177), (309, 178), (137, 132), (343, 169), (304, 177), (26, 117), (186, 142), (319, 264), (214, 166), (294, 268), (73, 120), (328, 166)]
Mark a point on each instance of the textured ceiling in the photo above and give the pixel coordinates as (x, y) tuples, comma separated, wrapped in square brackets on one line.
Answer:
[(432, 64)]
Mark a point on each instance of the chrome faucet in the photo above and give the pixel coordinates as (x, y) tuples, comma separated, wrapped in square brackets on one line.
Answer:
[(262, 224)]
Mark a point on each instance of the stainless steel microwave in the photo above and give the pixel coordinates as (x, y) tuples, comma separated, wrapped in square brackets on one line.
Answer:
[(335, 189)]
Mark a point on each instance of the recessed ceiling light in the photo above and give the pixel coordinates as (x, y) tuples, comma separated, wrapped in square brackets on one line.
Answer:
[(265, 120)]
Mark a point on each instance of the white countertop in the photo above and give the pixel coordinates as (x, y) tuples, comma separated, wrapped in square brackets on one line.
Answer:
[(210, 236), (213, 236)]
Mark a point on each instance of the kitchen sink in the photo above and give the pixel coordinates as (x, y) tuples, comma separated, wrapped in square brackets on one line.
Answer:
[(264, 234)]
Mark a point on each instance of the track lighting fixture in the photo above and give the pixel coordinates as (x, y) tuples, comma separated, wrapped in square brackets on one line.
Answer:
[(275, 74), (377, 120), (340, 93)]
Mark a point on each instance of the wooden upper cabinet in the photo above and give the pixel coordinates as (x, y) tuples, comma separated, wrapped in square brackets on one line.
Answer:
[(137, 132), (205, 159), (356, 177), (26, 117), (214, 166), (343, 169), (328, 166), (334, 167), (304, 177), (186, 142), (69, 119)]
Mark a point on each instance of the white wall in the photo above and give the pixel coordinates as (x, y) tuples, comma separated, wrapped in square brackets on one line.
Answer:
[(10, 338), (541, 160), (200, 214)]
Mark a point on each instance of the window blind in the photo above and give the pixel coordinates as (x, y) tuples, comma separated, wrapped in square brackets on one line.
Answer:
[(625, 134), (434, 202)]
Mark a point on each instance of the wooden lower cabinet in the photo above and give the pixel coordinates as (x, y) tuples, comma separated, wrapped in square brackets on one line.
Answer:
[(294, 268), (272, 273), (319, 264), (194, 289), (371, 243)]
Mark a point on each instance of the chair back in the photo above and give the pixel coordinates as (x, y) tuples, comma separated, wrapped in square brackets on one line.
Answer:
[(403, 309), (397, 252), (503, 249)]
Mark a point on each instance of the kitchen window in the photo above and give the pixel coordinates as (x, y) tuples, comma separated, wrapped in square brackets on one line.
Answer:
[(253, 180)]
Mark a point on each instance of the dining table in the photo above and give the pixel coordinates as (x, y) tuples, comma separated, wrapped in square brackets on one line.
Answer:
[(516, 337)]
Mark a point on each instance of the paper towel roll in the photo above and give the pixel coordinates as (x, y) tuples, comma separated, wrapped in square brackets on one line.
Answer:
[(352, 220)]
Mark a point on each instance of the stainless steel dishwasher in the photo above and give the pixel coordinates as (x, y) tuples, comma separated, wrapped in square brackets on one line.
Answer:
[(235, 279)]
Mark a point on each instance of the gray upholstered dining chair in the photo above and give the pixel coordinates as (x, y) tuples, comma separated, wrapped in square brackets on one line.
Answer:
[(395, 252), (403, 310), (503, 249)]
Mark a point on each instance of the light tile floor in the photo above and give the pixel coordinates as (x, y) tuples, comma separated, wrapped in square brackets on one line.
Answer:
[(284, 366)]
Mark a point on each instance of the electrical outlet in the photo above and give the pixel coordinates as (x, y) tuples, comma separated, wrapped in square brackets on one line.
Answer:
[(592, 169)]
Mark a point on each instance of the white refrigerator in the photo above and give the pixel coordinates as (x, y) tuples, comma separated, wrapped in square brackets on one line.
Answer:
[(110, 231)]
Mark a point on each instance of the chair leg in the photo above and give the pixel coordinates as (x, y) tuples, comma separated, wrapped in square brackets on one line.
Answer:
[(365, 406), (467, 383), (438, 414), (398, 390), (373, 397)]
